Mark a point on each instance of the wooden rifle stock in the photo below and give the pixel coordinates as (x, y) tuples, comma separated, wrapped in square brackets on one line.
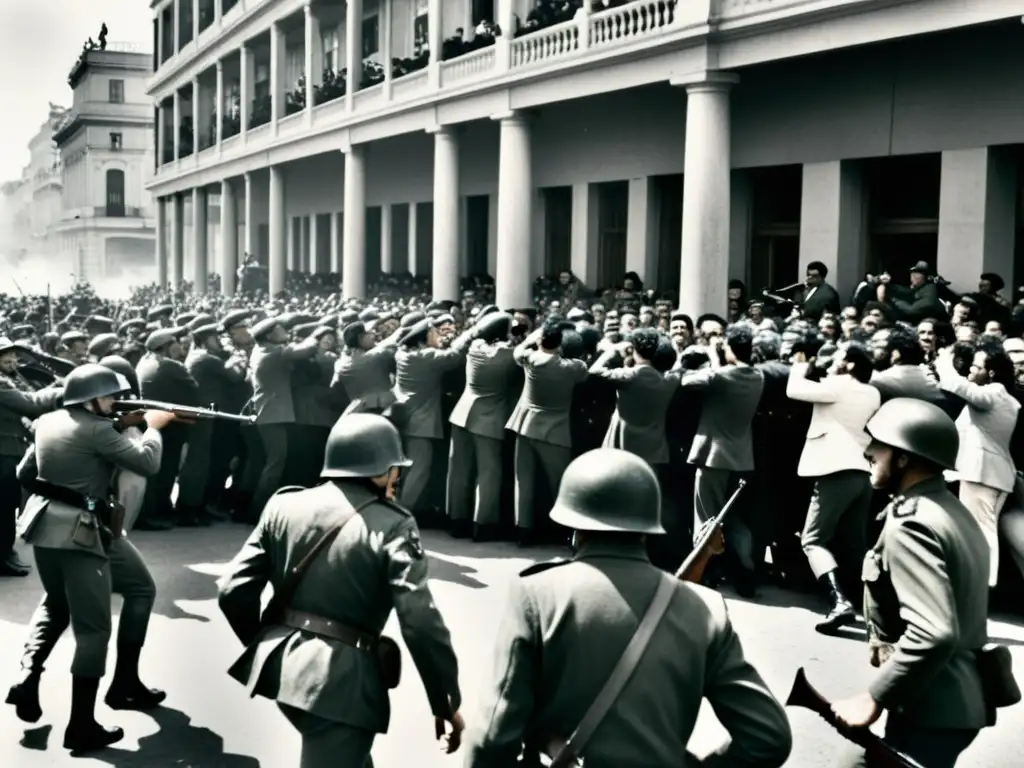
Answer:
[(692, 568), (184, 411), (877, 750)]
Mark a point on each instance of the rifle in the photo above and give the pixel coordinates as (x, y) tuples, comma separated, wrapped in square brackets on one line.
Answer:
[(186, 412), (693, 566), (877, 751)]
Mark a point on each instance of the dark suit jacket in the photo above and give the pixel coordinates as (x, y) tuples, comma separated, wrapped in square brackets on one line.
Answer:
[(731, 395), (824, 299), (161, 378), (486, 402), (270, 368), (215, 378), (542, 412), (311, 392)]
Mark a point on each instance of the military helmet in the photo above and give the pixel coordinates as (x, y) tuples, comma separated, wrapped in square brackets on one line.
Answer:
[(916, 427), (363, 445), (608, 489), (91, 380)]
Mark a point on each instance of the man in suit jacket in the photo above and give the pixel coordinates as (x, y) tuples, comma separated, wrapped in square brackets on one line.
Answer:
[(984, 466), (819, 297), (568, 622), (834, 456), (478, 432), (723, 445), (318, 659), (363, 370), (903, 374), (540, 421)]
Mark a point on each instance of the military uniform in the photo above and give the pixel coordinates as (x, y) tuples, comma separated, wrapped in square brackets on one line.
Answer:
[(365, 376)]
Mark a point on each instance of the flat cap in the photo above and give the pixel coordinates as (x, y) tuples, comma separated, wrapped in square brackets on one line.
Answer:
[(70, 337), (164, 310), (20, 332), (263, 327), (134, 323), (237, 317), (161, 338), (416, 333), (99, 323), (303, 330), (200, 320), (201, 332), (411, 319), (101, 345), (184, 319)]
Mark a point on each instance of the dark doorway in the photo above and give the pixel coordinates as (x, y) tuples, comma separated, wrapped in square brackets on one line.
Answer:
[(612, 225), (373, 236), (478, 225), (903, 210), (775, 246), (669, 194), (424, 239), (115, 193), (557, 229)]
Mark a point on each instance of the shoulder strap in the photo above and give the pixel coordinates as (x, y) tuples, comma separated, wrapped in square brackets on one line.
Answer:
[(621, 674)]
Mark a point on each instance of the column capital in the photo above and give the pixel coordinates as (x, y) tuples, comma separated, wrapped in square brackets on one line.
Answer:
[(512, 116), (712, 81), (307, 9), (442, 130), (220, 65)]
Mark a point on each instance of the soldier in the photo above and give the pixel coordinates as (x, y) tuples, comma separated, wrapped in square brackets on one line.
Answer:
[(568, 623), (69, 474), (330, 624), (926, 594), (362, 373), (230, 439)]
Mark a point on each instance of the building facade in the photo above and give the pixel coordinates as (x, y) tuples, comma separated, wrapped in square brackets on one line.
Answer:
[(690, 141), (46, 185), (107, 225)]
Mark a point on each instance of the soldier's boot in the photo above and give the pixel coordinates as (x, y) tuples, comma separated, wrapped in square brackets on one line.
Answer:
[(24, 695), (126, 690), (83, 733), (841, 611)]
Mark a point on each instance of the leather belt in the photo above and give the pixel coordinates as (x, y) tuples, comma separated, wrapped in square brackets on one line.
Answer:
[(329, 628)]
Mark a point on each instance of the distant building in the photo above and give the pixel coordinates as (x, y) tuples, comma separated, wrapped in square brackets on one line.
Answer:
[(44, 184), (107, 225)]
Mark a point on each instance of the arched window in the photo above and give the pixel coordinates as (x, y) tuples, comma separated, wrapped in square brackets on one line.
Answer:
[(115, 193)]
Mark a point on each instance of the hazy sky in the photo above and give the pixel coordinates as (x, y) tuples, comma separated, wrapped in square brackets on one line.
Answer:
[(40, 40)]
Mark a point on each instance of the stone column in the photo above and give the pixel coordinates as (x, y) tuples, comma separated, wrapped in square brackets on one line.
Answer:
[(353, 53), (314, 59), (197, 119), (445, 276), (159, 40), (276, 222), (195, 21), (292, 258), (176, 127), (228, 238), (335, 250), (278, 56), (832, 227), (250, 237), (435, 37), (200, 255), (386, 265), (642, 230), (583, 242), (158, 132), (218, 16), (513, 278), (412, 239), (353, 272), (492, 234), (219, 108), (386, 46), (178, 242), (161, 242), (245, 84), (741, 224), (704, 270), (176, 24), (977, 222)]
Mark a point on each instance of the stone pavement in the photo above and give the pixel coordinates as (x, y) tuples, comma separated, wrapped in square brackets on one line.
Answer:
[(209, 723)]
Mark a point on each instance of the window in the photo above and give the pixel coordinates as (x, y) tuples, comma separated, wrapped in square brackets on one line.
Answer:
[(294, 67), (117, 91), (420, 28), (116, 142), (371, 36), (115, 193), (483, 10), (330, 43)]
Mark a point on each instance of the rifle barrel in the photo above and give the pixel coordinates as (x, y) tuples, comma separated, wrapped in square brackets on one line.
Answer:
[(187, 411), (702, 543)]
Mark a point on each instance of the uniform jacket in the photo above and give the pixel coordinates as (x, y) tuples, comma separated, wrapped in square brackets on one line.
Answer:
[(161, 378), (365, 376), (311, 392), (643, 398), (16, 406), (375, 564), (730, 398), (486, 402), (542, 412), (926, 592), (78, 450), (270, 370), (836, 439), (916, 304), (985, 426), (419, 374), (913, 381), (566, 627), (216, 378)]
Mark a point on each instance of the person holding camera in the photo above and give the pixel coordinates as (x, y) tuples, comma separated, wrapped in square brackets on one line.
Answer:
[(918, 301)]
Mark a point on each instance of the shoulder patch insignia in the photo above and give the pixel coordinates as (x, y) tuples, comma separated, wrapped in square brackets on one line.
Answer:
[(544, 566), (904, 508)]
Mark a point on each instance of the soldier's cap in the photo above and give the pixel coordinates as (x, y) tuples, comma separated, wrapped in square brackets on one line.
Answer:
[(445, 305), (103, 343), (331, 321), (264, 327), (417, 333), (184, 319), (304, 330), (164, 310), (203, 332), (530, 312), (16, 316), (99, 323), (6, 344), (70, 337), (922, 268), (237, 317), (304, 318), (411, 319), (129, 325), (369, 314), (347, 316), (287, 320), (199, 321), (494, 326), (23, 331), (35, 316), (162, 338), (576, 314), (350, 333)]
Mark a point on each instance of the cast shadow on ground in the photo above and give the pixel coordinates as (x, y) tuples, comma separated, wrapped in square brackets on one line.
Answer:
[(176, 743), (183, 583), (453, 573), (442, 543)]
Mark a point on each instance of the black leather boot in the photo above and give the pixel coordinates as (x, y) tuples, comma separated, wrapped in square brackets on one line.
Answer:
[(83, 733), (24, 695), (841, 611), (127, 690)]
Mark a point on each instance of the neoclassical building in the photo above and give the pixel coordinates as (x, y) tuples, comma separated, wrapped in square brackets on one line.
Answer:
[(691, 141)]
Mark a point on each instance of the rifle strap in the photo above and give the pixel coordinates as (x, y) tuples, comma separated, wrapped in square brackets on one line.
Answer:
[(621, 674)]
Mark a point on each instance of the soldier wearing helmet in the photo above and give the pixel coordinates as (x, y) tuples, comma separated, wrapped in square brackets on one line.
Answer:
[(926, 593), (569, 622), (359, 555), (68, 471)]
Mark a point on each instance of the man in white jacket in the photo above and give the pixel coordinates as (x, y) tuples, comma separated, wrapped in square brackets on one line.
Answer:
[(834, 455)]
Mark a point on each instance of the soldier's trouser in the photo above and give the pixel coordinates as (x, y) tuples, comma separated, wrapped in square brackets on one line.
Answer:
[(193, 476), (326, 743), (10, 498), (931, 747), (710, 493), (78, 589), (553, 459), (838, 513), (274, 438), (474, 469), (247, 475), (416, 478), (129, 578), (224, 441), (985, 504)]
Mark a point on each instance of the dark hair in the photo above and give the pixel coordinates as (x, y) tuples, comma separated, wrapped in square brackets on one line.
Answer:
[(906, 343), (645, 342), (817, 266), (710, 316), (963, 356), (740, 339), (861, 363), (572, 345), (998, 364), (767, 346), (664, 358), (591, 338), (550, 336)]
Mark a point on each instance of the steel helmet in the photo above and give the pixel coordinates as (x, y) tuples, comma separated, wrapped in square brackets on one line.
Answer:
[(608, 489), (363, 445), (916, 427), (91, 380)]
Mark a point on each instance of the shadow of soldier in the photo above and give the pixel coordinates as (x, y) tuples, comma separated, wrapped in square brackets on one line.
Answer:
[(460, 575), (177, 742), (184, 583)]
